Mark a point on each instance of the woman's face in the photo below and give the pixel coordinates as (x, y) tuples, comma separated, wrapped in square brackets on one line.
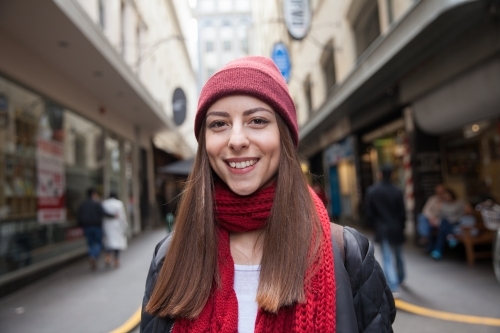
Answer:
[(243, 142)]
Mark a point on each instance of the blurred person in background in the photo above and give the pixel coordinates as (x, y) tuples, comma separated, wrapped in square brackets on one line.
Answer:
[(452, 210), (90, 216), (253, 249), (429, 220), (115, 229), (386, 213)]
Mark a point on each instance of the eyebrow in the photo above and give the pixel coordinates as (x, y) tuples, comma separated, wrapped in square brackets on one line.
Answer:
[(245, 113)]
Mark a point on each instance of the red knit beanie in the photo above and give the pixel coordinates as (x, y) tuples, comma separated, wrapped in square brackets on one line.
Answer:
[(255, 76)]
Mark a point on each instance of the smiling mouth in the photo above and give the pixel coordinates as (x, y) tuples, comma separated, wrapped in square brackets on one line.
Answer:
[(242, 164)]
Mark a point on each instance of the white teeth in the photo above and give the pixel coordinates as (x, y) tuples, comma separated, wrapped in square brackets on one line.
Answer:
[(241, 165)]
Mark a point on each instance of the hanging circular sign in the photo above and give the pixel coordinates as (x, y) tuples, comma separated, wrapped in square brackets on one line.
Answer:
[(179, 106), (297, 15), (281, 58)]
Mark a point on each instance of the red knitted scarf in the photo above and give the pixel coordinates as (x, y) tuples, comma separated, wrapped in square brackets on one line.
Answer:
[(220, 314)]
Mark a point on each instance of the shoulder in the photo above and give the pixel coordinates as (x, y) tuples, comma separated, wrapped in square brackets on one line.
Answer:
[(161, 250), (372, 297), (359, 257)]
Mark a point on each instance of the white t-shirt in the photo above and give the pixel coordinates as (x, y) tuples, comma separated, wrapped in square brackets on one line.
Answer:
[(246, 283)]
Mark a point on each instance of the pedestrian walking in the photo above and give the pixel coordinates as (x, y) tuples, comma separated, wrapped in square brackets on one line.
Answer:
[(115, 229), (253, 249), (90, 215), (386, 213)]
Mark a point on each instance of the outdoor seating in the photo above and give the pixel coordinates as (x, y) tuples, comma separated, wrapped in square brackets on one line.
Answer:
[(476, 246)]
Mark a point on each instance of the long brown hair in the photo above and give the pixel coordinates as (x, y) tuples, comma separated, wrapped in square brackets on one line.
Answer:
[(190, 271)]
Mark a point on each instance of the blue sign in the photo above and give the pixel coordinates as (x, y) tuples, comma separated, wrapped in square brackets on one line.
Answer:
[(281, 58)]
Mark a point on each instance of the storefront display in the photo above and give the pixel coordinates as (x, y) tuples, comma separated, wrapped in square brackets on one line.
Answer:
[(49, 156), (342, 179), (472, 161)]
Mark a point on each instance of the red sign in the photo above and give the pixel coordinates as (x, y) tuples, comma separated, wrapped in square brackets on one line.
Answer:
[(50, 182)]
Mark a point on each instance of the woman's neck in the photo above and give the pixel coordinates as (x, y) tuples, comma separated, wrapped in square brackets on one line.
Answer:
[(246, 247)]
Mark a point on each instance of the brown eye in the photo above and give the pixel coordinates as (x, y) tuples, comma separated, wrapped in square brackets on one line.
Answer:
[(216, 124), (259, 121)]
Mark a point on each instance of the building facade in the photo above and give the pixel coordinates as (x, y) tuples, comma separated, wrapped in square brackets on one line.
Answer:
[(409, 82), (86, 90), (224, 34)]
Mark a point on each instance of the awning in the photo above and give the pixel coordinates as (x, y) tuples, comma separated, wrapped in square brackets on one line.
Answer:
[(411, 40), (173, 143), (60, 33), (471, 97), (179, 168)]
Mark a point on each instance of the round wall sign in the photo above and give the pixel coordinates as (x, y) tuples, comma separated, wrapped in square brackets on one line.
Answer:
[(281, 58), (179, 106), (297, 15)]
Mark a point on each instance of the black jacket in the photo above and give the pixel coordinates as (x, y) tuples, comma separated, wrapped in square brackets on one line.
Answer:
[(91, 213), (385, 211), (364, 301)]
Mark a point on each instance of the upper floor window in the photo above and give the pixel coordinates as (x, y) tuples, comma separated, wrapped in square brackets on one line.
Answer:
[(209, 46), (227, 45), (308, 94), (244, 45), (102, 14), (210, 72), (366, 26), (122, 28), (225, 5), (328, 66)]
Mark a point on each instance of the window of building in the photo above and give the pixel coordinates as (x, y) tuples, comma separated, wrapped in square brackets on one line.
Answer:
[(49, 157), (206, 6), (102, 14), (210, 72), (308, 93), (225, 5), (122, 29), (227, 45), (209, 46), (328, 65), (390, 11), (366, 27), (244, 45)]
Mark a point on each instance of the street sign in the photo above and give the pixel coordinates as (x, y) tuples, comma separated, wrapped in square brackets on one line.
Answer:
[(297, 15), (281, 58), (179, 106)]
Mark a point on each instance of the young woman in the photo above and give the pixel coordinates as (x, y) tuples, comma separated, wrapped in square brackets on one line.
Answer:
[(252, 249)]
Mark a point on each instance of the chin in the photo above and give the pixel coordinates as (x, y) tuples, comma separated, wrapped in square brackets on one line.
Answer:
[(243, 190)]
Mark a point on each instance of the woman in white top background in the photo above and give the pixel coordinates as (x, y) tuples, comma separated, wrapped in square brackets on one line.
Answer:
[(115, 229)]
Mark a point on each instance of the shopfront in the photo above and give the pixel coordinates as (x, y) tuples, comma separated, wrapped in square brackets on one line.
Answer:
[(49, 157), (342, 182), (471, 161)]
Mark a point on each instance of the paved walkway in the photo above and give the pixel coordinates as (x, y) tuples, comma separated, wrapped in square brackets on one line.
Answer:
[(449, 286), (77, 300)]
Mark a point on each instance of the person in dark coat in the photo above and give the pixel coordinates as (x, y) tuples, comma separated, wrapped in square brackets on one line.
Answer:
[(386, 213), (90, 216)]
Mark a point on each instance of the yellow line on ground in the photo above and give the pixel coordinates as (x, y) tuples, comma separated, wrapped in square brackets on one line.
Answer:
[(402, 305), (130, 324), (133, 321)]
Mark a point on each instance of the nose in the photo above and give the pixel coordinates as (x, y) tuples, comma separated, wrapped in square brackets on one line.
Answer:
[(238, 139)]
